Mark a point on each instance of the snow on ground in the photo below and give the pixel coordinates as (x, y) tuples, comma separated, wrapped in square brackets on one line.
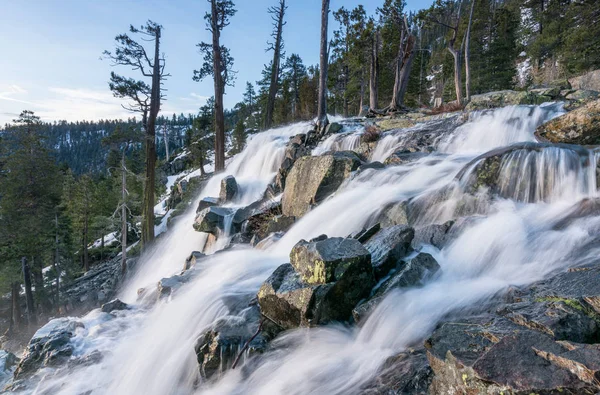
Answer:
[(109, 240)]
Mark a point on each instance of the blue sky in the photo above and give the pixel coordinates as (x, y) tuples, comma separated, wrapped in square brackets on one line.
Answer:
[(52, 49)]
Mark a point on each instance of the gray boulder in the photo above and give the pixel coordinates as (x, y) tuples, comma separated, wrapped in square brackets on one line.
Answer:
[(326, 261), (50, 346), (388, 247), (229, 188), (581, 126), (113, 305), (313, 178), (212, 219), (206, 203)]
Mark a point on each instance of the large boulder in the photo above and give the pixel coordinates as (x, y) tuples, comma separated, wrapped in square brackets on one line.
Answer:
[(326, 261), (404, 373), (313, 178), (50, 346), (335, 289), (213, 219), (578, 98), (388, 246), (229, 188), (544, 341), (588, 81), (581, 126), (436, 235), (218, 347), (394, 123), (206, 203), (505, 98)]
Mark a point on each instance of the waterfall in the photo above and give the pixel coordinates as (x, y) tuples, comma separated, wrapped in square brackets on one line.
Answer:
[(150, 350)]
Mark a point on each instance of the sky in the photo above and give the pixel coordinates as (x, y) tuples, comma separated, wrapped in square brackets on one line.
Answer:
[(52, 59)]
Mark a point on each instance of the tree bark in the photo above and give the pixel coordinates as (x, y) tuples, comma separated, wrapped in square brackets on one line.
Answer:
[(406, 68), (15, 318), (404, 61), (467, 55), (322, 120), (31, 316), (273, 87), (166, 137), (55, 262), (149, 186), (374, 75), (219, 87), (457, 75), (85, 240), (123, 216), (362, 95)]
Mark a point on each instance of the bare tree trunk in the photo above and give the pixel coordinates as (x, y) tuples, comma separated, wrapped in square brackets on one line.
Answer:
[(166, 137), (362, 94), (85, 241), (123, 216), (149, 186), (457, 75), (374, 75), (219, 88), (273, 87), (202, 172), (322, 120), (55, 262), (15, 321), (406, 53), (31, 316), (467, 49), (409, 56)]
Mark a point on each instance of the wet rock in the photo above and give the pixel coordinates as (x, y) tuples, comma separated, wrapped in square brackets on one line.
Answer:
[(578, 98), (290, 302), (296, 148), (409, 273), (394, 123), (365, 234), (405, 373), (213, 219), (229, 188), (394, 214), (484, 355), (333, 128), (113, 305), (371, 165), (388, 247), (504, 98), (191, 260), (435, 235), (403, 157), (326, 261), (313, 178), (49, 346), (168, 285), (581, 126), (206, 203), (218, 347)]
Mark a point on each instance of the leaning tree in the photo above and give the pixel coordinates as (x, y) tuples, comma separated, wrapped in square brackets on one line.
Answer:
[(143, 98)]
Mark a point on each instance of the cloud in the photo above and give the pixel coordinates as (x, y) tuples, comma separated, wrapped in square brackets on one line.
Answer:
[(7, 93)]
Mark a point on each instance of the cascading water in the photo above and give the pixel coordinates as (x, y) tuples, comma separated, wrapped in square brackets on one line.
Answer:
[(151, 351)]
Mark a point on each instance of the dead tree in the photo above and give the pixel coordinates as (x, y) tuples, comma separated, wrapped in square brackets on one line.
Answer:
[(146, 99), (467, 42), (374, 74), (322, 120), (404, 59), (277, 14)]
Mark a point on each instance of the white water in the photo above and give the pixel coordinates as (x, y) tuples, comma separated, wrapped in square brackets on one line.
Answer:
[(151, 352)]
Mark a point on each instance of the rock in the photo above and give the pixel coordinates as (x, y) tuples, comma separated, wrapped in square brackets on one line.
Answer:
[(229, 188), (414, 273), (393, 214), (167, 285), (551, 93), (366, 234), (588, 81), (405, 373), (49, 346), (371, 165), (410, 273), (582, 96), (394, 123), (333, 128), (403, 157), (313, 178), (191, 260), (581, 126), (327, 260), (504, 98), (206, 203), (218, 347), (491, 355), (289, 302), (388, 247), (113, 305), (435, 235), (213, 219)]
